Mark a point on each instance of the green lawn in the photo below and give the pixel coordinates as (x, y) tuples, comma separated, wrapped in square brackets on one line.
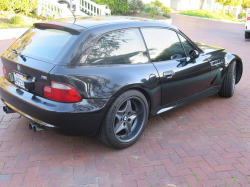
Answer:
[(211, 14)]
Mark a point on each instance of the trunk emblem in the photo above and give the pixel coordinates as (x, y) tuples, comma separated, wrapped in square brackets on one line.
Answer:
[(44, 77), (18, 68)]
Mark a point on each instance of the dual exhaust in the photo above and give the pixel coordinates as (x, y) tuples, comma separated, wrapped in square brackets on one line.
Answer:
[(8, 110), (32, 126), (36, 127)]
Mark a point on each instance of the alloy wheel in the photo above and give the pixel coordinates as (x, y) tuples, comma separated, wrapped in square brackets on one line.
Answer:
[(129, 119)]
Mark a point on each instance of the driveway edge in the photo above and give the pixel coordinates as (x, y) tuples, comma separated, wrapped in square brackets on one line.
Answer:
[(11, 33)]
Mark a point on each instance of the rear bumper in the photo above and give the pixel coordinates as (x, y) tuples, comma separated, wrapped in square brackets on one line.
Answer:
[(82, 118)]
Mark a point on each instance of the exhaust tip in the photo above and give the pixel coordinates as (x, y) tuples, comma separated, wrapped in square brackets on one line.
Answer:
[(30, 127), (34, 129)]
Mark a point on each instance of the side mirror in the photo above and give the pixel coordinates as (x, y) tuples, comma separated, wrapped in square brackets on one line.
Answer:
[(194, 54)]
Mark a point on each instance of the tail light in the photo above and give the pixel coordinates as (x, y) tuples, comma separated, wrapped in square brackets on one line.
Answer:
[(61, 92), (5, 72), (248, 18)]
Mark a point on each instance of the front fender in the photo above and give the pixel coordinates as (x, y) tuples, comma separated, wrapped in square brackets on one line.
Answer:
[(229, 58)]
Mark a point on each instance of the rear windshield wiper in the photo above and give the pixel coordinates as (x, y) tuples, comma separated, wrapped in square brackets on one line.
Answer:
[(20, 54)]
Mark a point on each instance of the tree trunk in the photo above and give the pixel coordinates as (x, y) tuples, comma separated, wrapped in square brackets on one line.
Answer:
[(229, 9), (224, 7), (202, 4)]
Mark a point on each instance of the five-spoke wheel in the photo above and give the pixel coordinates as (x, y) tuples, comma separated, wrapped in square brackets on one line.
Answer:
[(125, 121)]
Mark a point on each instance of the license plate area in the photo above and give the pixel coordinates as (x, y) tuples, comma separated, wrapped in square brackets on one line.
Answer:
[(19, 80)]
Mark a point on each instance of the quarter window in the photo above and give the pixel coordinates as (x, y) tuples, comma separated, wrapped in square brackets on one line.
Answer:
[(119, 47), (186, 44), (163, 44)]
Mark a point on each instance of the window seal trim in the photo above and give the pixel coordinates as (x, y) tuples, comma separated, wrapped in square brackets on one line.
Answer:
[(168, 28), (98, 38)]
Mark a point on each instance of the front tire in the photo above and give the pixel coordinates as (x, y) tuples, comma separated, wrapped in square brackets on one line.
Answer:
[(247, 35), (228, 85), (125, 120)]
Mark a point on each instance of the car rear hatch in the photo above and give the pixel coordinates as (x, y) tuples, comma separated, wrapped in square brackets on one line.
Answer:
[(29, 60)]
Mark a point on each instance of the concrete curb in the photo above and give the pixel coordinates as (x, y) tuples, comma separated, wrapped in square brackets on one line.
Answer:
[(212, 19), (11, 33)]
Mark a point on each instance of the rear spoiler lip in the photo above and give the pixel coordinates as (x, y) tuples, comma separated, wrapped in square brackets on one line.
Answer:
[(65, 25)]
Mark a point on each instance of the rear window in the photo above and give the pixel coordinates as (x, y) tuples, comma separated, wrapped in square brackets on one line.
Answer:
[(43, 44)]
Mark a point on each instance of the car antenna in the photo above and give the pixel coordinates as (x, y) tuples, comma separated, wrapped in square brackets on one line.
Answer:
[(70, 6)]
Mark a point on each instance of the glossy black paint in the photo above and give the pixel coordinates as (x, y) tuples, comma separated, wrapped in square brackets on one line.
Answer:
[(99, 85)]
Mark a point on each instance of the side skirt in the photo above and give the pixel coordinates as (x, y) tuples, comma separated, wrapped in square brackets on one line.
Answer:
[(191, 99)]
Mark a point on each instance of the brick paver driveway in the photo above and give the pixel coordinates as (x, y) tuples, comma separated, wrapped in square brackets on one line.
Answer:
[(203, 144)]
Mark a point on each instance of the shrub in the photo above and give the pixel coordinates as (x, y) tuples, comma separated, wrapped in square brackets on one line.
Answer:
[(166, 15), (116, 6), (16, 20), (135, 6), (166, 9), (153, 11), (24, 6)]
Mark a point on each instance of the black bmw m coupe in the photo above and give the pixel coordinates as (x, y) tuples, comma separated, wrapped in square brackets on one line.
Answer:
[(107, 76)]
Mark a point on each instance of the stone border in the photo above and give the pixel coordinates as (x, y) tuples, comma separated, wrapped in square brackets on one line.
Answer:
[(212, 19), (12, 33)]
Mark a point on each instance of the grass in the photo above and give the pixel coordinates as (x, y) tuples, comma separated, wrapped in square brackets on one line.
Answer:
[(211, 14)]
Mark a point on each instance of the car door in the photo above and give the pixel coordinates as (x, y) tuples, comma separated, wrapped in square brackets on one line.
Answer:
[(181, 77)]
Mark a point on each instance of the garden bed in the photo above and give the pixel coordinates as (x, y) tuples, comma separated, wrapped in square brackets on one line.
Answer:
[(144, 15), (211, 14)]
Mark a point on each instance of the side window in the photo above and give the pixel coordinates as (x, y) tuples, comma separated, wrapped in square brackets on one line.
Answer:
[(163, 44), (186, 44), (119, 47)]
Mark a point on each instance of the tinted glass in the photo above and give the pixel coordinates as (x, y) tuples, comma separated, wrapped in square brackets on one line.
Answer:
[(119, 47), (162, 44), (186, 44), (43, 44)]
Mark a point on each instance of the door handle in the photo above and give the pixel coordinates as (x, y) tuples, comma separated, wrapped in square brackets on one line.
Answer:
[(168, 74)]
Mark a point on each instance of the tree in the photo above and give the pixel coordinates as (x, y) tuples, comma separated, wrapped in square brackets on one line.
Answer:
[(202, 4), (234, 3), (245, 4), (224, 3)]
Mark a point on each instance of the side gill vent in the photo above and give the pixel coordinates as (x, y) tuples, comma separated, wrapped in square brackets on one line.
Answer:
[(214, 79)]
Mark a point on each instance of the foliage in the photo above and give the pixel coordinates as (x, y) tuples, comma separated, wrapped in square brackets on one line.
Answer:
[(27, 21), (166, 15), (24, 6), (242, 15), (246, 4), (135, 6), (16, 20), (167, 9), (155, 3), (116, 6), (211, 14)]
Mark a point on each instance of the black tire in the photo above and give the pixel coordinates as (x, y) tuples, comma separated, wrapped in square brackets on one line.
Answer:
[(228, 85), (247, 35), (121, 128)]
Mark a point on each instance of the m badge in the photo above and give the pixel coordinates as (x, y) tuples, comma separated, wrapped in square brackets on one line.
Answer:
[(18, 68)]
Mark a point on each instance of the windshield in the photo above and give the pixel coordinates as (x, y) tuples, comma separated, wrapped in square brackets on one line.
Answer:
[(43, 44)]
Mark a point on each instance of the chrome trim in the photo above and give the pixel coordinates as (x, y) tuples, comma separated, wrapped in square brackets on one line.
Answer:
[(165, 109), (27, 116)]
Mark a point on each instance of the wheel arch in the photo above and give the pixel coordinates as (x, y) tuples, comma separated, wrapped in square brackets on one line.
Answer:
[(239, 69), (239, 65), (138, 88)]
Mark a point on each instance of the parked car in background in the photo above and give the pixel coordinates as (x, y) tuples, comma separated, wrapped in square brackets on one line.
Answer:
[(247, 27), (106, 76)]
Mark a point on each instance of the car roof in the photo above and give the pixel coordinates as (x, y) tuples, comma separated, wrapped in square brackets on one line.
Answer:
[(95, 21)]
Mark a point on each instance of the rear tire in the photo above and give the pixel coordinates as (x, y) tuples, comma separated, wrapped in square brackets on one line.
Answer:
[(125, 120), (228, 85), (247, 35)]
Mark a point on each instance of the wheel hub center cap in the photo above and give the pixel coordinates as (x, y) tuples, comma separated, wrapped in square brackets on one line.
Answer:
[(125, 118)]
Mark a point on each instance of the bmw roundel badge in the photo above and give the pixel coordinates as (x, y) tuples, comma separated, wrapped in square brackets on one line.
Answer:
[(18, 68)]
